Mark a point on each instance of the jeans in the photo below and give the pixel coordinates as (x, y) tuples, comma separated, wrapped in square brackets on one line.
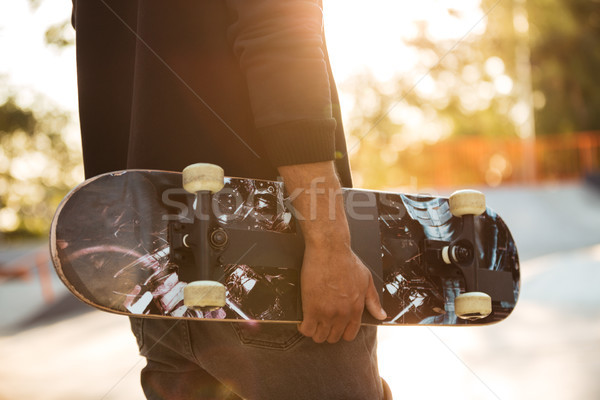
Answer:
[(219, 360)]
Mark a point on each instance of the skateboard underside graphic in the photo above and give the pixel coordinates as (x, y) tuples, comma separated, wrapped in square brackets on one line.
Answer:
[(117, 242)]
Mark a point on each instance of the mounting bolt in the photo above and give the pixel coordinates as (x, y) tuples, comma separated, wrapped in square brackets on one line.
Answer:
[(218, 238), (462, 254)]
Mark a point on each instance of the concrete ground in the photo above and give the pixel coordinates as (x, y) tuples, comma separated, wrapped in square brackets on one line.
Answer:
[(549, 348)]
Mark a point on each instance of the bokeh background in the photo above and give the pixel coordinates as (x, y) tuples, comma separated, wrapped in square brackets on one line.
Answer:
[(499, 95)]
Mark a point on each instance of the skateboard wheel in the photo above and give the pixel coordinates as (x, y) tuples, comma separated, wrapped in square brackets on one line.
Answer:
[(204, 294), (445, 254), (200, 177), (467, 202), (473, 305)]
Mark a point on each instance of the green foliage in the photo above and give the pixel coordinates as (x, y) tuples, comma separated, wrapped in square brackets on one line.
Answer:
[(39, 161), (13, 118), (37, 167), (60, 35), (484, 84), (565, 57)]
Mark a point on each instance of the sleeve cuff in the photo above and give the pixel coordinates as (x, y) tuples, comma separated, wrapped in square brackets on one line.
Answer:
[(300, 142)]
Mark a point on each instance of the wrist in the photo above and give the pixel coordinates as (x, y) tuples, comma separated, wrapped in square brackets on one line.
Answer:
[(317, 203), (328, 234)]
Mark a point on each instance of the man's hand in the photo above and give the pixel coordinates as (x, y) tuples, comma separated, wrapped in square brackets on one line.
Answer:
[(336, 285)]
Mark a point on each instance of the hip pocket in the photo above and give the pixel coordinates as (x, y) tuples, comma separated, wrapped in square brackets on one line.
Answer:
[(268, 336)]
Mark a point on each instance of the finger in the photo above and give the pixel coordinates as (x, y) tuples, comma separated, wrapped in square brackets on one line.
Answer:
[(353, 325), (336, 332), (322, 333), (372, 302), (308, 327), (351, 331)]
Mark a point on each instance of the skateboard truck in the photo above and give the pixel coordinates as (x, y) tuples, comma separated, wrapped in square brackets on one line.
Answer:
[(460, 253), (202, 180), (202, 243)]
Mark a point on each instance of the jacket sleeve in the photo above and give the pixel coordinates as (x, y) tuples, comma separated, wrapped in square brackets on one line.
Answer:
[(280, 48)]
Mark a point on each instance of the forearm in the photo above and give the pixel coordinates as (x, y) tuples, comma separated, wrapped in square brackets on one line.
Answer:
[(336, 285), (279, 45), (281, 52)]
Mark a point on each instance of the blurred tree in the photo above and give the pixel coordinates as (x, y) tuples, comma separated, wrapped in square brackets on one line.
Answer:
[(475, 84), (37, 167), (59, 35), (565, 57), (39, 163)]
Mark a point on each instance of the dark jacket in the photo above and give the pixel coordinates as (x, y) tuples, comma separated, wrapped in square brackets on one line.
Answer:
[(245, 84)]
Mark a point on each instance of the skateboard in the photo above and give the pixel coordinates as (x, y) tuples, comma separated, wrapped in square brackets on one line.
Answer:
[(200, 246)]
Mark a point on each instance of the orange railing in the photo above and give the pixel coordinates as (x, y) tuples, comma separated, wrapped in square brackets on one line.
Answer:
[(480, 160)]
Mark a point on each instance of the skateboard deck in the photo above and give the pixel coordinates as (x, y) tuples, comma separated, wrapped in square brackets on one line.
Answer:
[(119, 242)]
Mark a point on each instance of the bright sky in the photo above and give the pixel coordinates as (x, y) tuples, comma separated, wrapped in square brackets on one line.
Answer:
[(362, 35), (26, 62), (368, 34)]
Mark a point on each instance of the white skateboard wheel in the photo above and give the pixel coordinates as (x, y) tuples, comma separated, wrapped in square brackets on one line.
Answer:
[(204, 294), (473, 305), (467, 202), (445, 255), (200, 177)]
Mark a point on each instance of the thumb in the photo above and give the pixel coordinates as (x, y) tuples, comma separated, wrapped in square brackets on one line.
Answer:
[(372, 302)]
